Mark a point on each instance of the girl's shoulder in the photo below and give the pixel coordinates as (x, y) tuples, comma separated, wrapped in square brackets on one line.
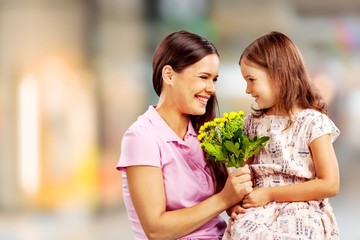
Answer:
[(317, 123), (308, 112), (310, 115), (302, 115)]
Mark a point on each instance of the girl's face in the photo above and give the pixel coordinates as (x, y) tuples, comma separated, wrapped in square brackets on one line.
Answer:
[(259, 84), (194, 86)]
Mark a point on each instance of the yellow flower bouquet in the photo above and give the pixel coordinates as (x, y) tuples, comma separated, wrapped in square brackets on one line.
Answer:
[(224, 139)]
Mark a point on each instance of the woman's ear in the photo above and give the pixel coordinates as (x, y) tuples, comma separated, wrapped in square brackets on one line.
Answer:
[(167, 74)]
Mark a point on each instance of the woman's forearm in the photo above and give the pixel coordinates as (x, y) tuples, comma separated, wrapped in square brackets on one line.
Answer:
[(178, 223), (158, 223)]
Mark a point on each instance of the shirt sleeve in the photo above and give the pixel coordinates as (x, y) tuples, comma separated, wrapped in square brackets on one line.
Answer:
[(322, 125), (139, 147)]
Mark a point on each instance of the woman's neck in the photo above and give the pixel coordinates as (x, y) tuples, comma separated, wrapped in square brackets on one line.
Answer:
[(176, 121)]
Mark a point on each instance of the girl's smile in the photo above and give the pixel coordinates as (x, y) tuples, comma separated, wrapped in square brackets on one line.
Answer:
[(258, 84)]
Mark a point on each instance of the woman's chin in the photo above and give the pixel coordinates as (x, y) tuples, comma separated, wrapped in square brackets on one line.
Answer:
[(199, 111)]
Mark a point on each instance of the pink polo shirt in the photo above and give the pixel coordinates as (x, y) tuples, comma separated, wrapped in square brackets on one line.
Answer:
[(150, 141)]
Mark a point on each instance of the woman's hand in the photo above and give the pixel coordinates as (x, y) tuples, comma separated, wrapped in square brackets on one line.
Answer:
[(257, 198), (237, 185)]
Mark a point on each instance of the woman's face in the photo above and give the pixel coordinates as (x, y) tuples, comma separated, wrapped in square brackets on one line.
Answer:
[(193, 87), (258, 84)]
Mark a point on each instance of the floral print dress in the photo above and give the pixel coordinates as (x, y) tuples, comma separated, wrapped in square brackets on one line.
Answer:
[(286, 160)]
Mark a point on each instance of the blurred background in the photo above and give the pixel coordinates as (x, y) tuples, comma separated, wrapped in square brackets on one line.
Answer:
[(74, 74)]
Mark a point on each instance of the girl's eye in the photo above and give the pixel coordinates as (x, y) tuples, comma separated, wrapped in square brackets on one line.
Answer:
[(203, 77), (215, 79)]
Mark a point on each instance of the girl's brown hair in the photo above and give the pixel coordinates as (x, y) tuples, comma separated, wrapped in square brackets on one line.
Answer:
[(282, 60), (180, 50)]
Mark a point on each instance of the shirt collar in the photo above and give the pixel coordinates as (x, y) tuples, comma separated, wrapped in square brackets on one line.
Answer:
[(163, 128)]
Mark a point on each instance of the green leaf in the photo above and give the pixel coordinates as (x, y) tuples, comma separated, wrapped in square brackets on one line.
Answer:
[(246, 141), (238, 134), (232, 147), (255, 145), (215, 151)]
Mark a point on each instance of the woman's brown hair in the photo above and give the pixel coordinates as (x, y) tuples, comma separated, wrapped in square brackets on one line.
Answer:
[(180, 50), (282, 60)]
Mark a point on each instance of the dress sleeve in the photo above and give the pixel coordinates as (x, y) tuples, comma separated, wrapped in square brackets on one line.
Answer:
[(322, 125), (139, 147)]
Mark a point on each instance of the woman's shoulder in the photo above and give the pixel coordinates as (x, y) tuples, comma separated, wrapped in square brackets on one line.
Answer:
[(142, 127)]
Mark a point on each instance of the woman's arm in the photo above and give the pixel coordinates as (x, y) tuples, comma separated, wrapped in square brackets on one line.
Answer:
[(147, 192), (325, 185), (234, 211)]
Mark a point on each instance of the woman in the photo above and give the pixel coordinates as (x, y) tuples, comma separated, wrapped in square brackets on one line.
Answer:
[(170, 191)]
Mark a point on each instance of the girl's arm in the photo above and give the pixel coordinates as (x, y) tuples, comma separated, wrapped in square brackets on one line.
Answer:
[(147, 192), (325, 185)]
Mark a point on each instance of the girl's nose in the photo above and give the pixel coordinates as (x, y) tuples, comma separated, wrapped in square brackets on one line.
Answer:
[(248, 91)]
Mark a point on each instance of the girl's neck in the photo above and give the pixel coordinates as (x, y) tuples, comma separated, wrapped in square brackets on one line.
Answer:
[(276, 112)]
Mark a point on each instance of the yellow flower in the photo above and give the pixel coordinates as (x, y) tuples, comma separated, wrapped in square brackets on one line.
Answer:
[(232, 115), (200, 136), (217, 120), (222, 139)]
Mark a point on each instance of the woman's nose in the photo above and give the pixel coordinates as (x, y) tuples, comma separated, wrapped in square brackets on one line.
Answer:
[(211, 87)]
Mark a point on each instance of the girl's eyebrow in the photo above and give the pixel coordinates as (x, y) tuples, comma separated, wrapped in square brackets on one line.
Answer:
[(247, 76)]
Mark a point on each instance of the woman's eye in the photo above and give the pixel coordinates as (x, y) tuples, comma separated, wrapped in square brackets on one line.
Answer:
[(203, 77)]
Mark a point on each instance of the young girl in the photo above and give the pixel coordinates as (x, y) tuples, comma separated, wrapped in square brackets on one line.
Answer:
[(296, 173)]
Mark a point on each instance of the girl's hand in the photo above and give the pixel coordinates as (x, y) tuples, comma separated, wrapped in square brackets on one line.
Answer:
[(257, 198), (234, 212)]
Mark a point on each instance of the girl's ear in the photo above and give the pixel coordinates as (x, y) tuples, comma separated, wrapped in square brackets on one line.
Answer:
[(167, 74)]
